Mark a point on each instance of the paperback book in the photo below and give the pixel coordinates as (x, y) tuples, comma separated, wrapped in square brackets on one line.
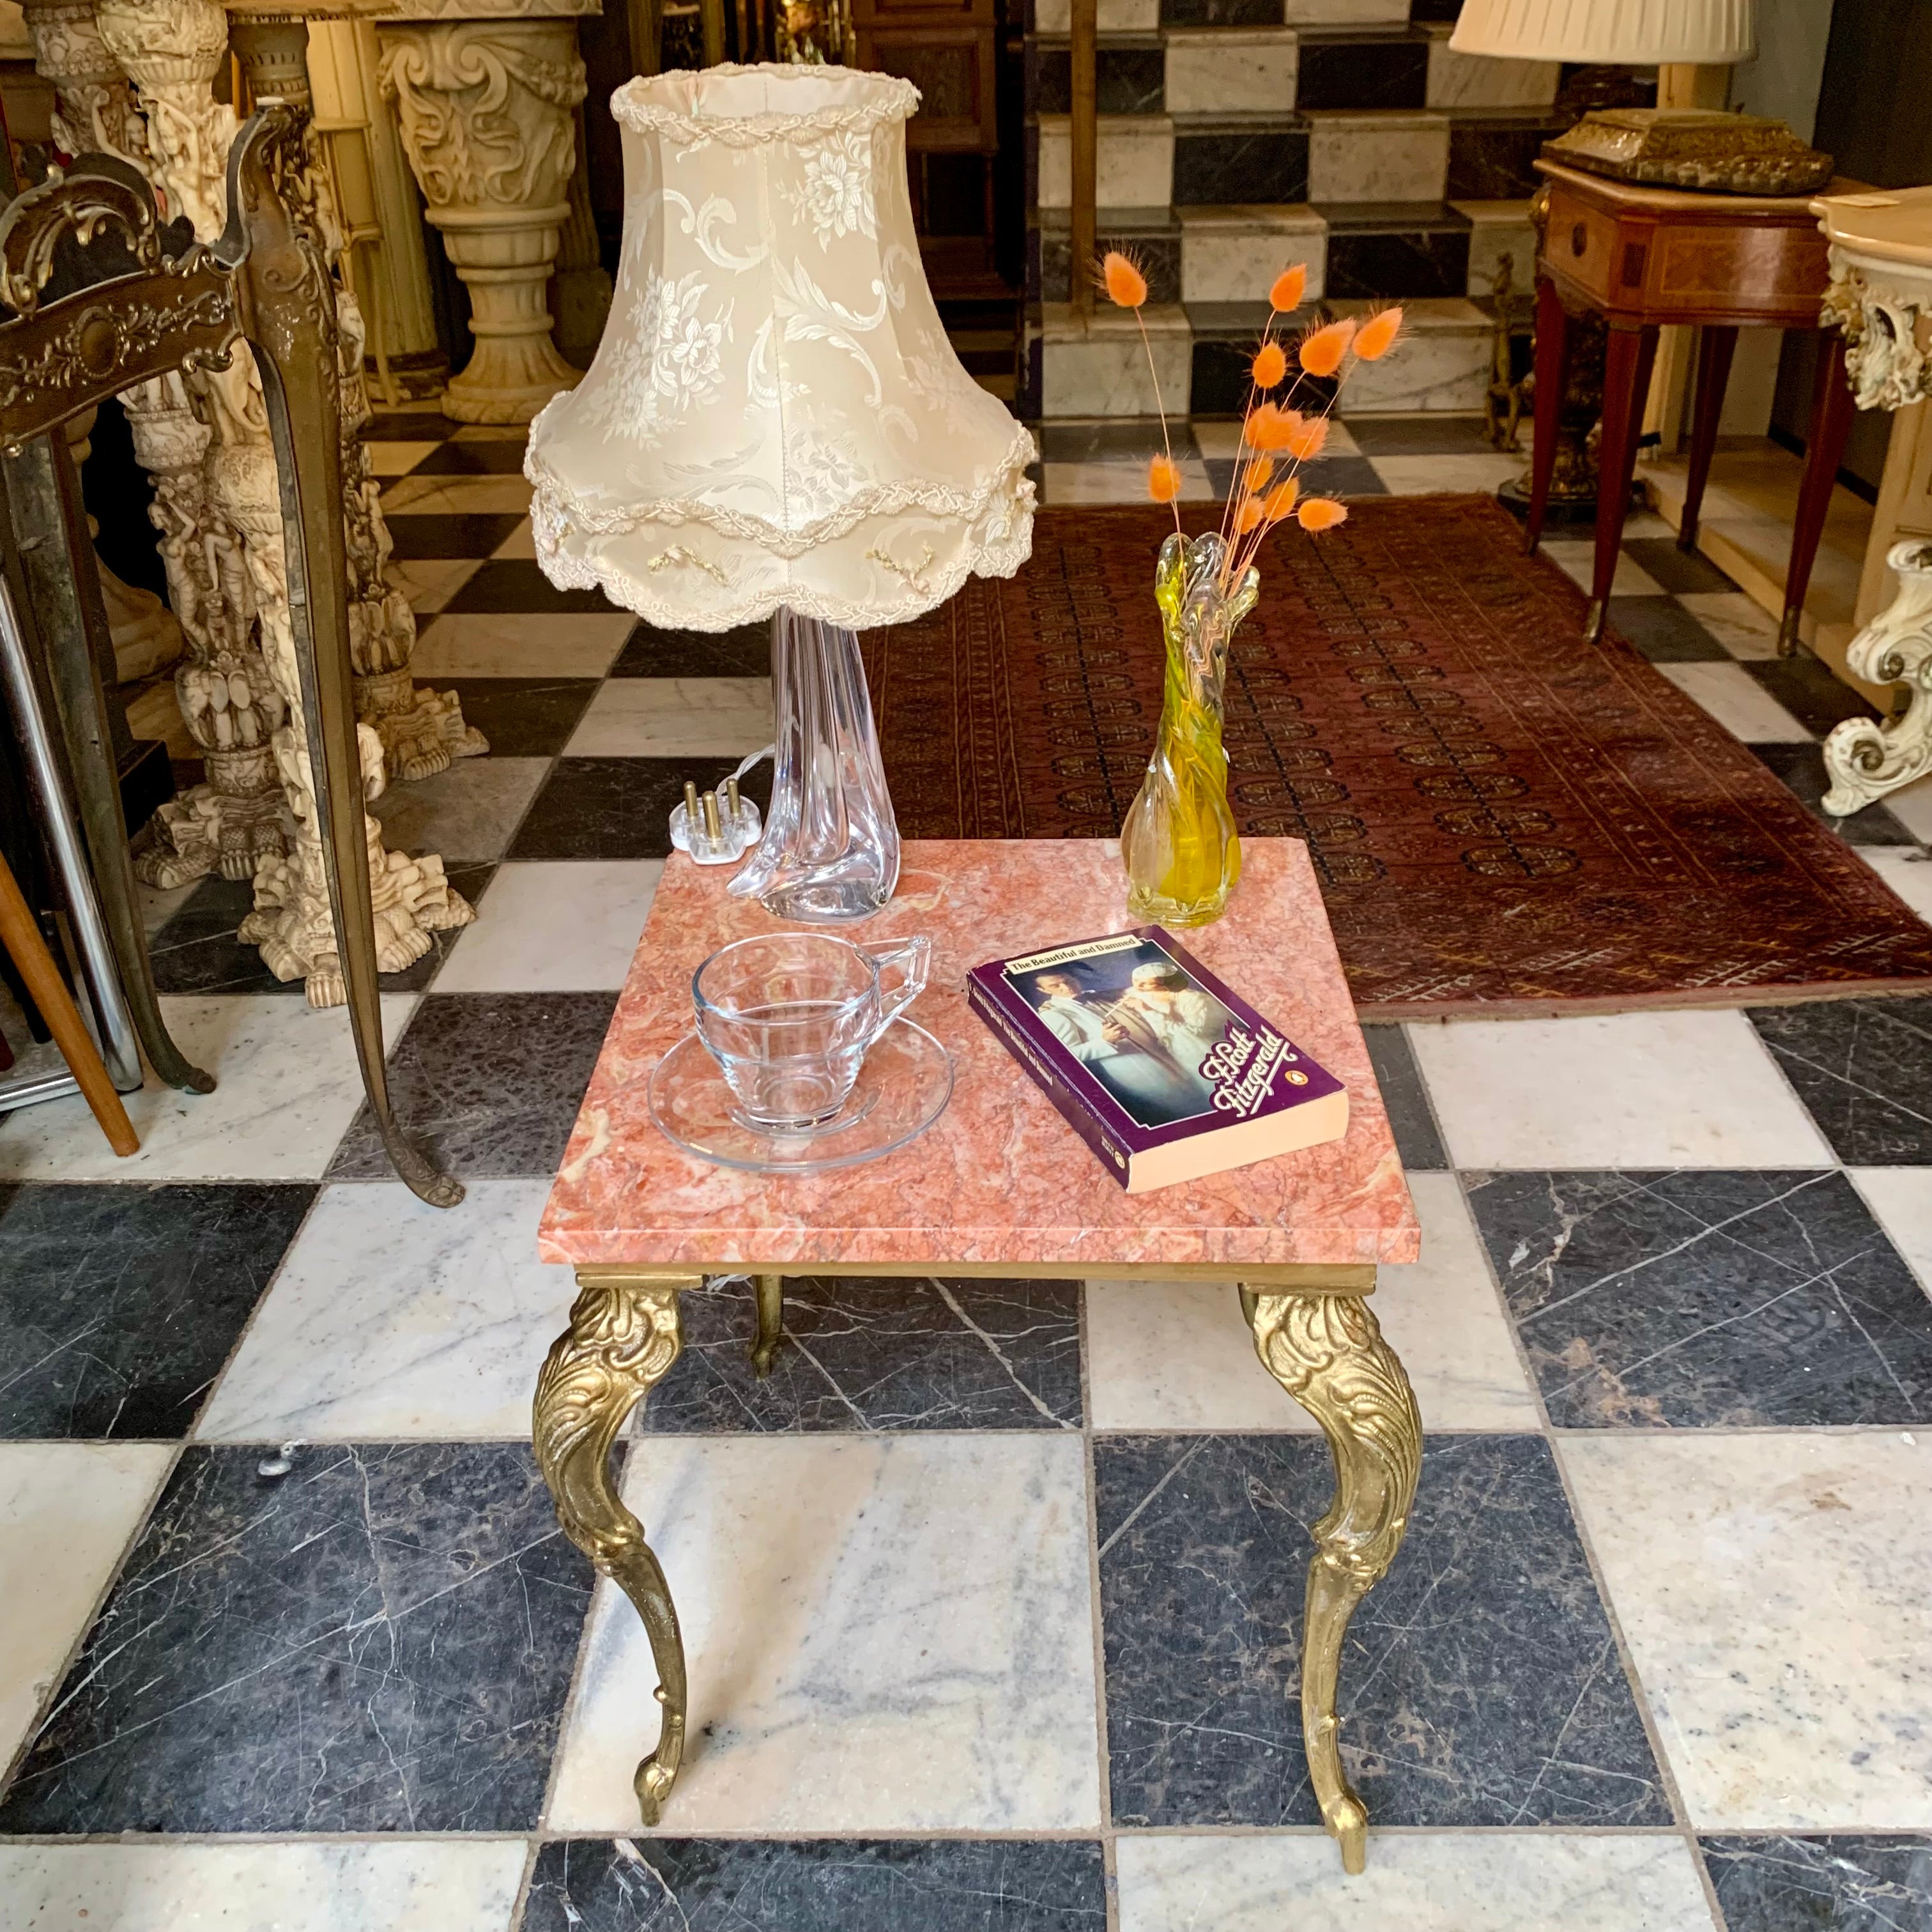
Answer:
[(1163, 1070)]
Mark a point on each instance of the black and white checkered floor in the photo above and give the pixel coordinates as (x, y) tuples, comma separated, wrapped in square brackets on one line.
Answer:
[(992, 1593)]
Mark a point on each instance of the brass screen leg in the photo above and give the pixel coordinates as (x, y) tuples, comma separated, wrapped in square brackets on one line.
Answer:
[(624, 1335), (771, 1322), (1327, 1351)]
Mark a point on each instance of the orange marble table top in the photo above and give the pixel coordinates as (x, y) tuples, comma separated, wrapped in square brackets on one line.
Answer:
[(999, 1177)]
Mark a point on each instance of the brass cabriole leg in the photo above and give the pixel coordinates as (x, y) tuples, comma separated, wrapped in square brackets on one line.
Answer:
[(1327, 1351), (771, 1322), (624, 1335)]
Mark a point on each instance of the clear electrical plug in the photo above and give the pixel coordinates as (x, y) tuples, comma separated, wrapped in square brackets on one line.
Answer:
[(718, 828)]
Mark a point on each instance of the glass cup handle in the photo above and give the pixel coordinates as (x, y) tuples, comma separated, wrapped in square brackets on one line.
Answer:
[(912, 957)]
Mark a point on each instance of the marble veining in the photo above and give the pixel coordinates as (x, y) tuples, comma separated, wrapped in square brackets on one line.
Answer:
[(885, 1353), (1480, 1683), (1000, 1177), (1864, 1067), (883, 1633), (119, 1305), (817, 1884), (379, 1640), (1851, 1882), (1703, 1298)]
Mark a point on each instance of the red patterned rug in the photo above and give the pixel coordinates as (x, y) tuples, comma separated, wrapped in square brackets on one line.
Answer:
[(1500, 814)]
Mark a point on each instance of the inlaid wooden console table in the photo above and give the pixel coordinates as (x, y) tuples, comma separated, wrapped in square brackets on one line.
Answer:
[(999, 1185)]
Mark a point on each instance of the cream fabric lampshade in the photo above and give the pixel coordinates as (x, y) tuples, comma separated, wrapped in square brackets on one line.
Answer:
[(774, 416), (1639, 32)]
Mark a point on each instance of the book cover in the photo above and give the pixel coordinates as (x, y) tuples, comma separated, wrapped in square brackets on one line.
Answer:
[(1164, 1070)]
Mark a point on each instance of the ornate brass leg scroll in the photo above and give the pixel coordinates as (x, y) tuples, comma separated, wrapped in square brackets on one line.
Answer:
[(1326, 1351), (623, 1336), (771, 1322)]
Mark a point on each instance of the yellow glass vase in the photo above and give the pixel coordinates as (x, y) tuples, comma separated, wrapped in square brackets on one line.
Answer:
[(1179, 845)]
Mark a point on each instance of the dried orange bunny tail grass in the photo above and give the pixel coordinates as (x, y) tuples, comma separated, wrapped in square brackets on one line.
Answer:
[(1259, 471), (1321, 513), (1121, 278), (1270, 426), (1164, 480), (1322, 349), (1377, 336), (1280, 500), (1289, 286), (1310, 439), (1269, 366), (1249, 517)]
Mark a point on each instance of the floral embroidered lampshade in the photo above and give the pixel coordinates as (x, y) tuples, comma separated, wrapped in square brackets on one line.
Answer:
[(775, 419)]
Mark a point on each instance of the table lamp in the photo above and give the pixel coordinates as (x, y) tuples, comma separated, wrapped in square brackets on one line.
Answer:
[(776, 426), (1666, 147)]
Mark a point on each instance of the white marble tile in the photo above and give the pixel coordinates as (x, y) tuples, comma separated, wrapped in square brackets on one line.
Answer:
[(1906, 871), (397, 459), (1176, 1355), (1576, 558), (1229, 71), (455, 495), (1771, 1589), (288, 1089), (1234, 253), (1376, 157), (1743, 627), (1912, 806), (1116, 16), (160, 904), (1133, 161), (1344, 13), (1901, 1198), (1458, 80), (1442, 364), (389, 1319), (429, 583), (423, 1885), (1620, 1090), (513, 948), (675, 718), (521, 542), (469, 812), (1122, 482), (1100, 368), (1416, 1882), (1738, 702), (1497, 229), (492, 432), (67, 1512), (885, 1633), (1423, 475), (488, 644)]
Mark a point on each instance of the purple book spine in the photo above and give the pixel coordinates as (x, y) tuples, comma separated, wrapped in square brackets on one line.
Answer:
[(986, 1002)]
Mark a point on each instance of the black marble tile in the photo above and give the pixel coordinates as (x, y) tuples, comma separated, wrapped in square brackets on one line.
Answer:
[(1802, 769), (523, 717), (1362, 70), (380, 1640), (1809, 692), (518, 584), (408, 426), (119, 1303), (1495, 160), (1405, 1097), (1480, 1685), (620, 807), (879, 1354), (1421, 435), (472, 534), (1392, 264), (1051, 252), (1864, 1069), (746, 652), (818, 1885), (494, 456), (1213, 167), (1435, 9), (1127, 80), (1682, 572), (1664, 631), (197, 951), (1703, 1298), (1220, 13), (1845, 1882), (492, 1081)]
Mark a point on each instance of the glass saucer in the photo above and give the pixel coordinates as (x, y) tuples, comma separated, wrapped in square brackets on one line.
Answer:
[(901, 1089)]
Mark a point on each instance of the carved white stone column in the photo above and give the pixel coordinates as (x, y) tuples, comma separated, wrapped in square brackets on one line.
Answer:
[(171, 50), (485, 106), (1883, 303)]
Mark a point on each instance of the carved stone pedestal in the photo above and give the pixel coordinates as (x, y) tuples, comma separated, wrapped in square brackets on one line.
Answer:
[(486, 106)]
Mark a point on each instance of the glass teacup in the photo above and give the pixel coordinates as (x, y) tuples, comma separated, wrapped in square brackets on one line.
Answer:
[(788, 1018)]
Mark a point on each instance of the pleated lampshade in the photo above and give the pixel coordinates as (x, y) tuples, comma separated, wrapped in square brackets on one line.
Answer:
[(1632, 32)]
